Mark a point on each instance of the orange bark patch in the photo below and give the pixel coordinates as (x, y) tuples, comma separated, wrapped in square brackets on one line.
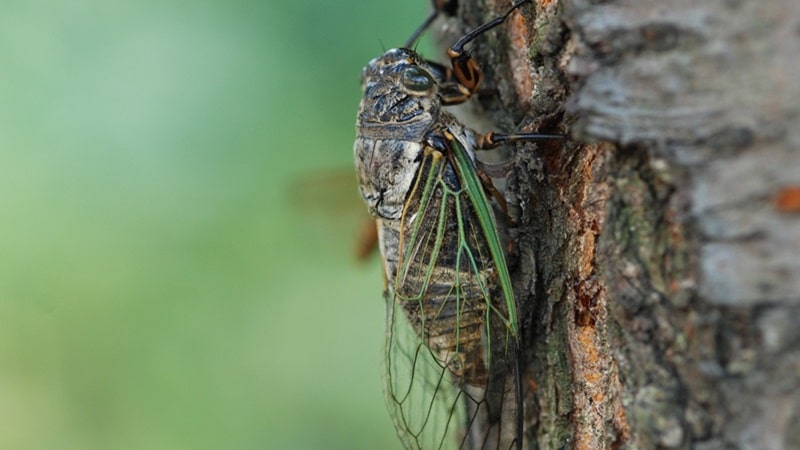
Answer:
[(518, 57), (590, 378), (586, 337), (787, 199), (620, 424), (533, 386), (596, 402)]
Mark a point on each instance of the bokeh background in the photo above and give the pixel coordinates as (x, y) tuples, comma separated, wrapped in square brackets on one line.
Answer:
[(177, 222)]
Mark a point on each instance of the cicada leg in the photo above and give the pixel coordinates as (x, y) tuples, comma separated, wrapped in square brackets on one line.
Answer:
[(486, 171), (459, 83), (465, 68), (492, 140)]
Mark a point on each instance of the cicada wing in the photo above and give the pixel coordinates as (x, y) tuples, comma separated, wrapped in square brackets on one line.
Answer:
[(449, 333), (425, 405)]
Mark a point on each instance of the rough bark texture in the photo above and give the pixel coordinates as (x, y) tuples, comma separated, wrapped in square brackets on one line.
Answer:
[(658, 252)]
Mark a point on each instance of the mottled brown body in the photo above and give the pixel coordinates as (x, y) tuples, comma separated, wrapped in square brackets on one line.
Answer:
[(449, 353), (442, 288)]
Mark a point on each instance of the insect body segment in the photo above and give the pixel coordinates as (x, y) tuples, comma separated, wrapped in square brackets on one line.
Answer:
[(452, 333)]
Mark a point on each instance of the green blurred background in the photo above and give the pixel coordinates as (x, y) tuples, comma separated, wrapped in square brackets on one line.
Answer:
[(169, 277)]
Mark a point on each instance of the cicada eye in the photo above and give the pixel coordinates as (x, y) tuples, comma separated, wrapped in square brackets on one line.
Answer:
[(417, 79)]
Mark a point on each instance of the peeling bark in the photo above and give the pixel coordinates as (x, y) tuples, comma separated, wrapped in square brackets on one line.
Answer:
[(657, 259)]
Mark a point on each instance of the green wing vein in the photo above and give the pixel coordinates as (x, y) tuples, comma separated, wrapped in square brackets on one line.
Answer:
[(450, 312)]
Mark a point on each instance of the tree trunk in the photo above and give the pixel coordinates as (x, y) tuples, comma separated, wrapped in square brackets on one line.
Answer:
[(657, 258)]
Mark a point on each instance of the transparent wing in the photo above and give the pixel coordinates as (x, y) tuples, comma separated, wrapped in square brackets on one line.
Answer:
[(451, 333)]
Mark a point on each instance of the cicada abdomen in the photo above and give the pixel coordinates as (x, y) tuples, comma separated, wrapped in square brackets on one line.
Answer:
[(451, 338)]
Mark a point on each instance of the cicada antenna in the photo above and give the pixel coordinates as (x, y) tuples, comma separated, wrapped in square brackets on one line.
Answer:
[(421, 29), (448, 7)]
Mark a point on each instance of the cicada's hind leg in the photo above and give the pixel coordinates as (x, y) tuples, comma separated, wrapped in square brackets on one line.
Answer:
[(492, 140)]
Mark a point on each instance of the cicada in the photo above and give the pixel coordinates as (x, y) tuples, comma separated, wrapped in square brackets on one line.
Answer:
[(451, 366)]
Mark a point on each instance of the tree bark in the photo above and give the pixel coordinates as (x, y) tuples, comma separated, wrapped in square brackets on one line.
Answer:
[(657, 257)]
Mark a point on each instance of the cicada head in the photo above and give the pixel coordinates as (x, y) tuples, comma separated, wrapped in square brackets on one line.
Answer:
[(399, 106), (400, 96)]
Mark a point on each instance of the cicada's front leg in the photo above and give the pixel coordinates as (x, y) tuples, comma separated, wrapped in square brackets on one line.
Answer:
[(465, 68), (451, 90), (460, 81)]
